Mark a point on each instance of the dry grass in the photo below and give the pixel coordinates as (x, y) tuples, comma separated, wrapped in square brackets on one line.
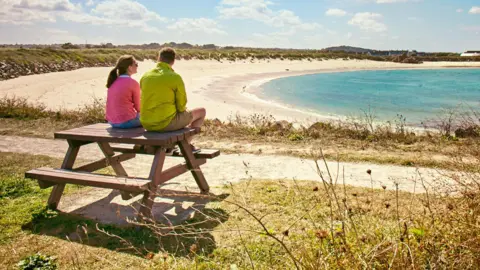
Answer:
[(262, 225)]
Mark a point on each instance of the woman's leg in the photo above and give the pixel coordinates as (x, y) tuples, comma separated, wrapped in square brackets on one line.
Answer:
[(133, 123)]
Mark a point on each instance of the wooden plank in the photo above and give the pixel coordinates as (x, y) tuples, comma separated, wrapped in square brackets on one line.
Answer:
[(155, 177), (87, 179), (108, 152), (103, 163), (128, 136), (68, 161), (178, 170), (186, 150), (204, 153)]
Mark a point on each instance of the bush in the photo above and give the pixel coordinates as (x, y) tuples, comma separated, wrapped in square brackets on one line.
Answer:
[(38, 261)]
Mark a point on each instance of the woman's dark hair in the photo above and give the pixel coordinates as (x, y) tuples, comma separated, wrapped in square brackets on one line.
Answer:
[(120, 68)]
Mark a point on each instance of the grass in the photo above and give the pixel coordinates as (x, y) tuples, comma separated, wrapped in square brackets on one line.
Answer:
[(260, 224)]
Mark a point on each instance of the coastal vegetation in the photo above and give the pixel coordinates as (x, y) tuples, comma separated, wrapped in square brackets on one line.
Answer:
[(253, 224), (15, 62), (454, 134)]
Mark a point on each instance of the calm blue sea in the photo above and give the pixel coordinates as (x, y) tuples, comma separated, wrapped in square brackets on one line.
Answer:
[(416, 94)]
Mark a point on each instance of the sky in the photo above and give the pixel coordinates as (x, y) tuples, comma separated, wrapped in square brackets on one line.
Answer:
[(423, 25)]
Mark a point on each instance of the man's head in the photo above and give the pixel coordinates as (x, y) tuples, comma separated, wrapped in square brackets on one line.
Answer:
[(167, 55)]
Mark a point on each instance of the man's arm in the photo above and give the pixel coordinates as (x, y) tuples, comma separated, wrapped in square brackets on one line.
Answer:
[(181, 96)]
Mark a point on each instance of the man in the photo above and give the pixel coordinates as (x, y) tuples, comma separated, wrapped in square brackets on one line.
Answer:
[(164, 100)]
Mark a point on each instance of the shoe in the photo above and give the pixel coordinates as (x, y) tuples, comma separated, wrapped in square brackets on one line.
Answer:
[(170, 150), (194, 149)]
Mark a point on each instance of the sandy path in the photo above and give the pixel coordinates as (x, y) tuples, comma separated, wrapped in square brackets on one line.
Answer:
[(227, 169), (223, 88)]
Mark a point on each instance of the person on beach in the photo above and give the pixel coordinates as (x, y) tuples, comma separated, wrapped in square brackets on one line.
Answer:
[(164, 100), (123, 96)]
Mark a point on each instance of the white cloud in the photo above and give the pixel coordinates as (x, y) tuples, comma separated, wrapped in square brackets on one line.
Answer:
[(24, 12), (459, 10), (259, 10), (21, 16), (335, 12), (126, 13), (56, 31), (205, 25), (474, 10), (44, 5), (368, 21), (125, 10)]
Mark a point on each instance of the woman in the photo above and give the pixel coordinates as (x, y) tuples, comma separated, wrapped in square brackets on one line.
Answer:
[(123, 97)]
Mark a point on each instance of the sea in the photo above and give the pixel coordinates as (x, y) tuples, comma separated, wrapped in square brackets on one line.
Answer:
[(417, 95)]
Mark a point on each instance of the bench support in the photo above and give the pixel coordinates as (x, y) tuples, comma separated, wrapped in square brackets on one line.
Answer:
[(193, 166), (67, 164), (155, 177)]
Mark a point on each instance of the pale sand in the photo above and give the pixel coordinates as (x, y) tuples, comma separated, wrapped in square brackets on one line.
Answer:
[(224, 89)]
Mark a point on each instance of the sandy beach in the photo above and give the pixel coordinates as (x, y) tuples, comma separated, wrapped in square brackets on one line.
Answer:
[(223, 88)]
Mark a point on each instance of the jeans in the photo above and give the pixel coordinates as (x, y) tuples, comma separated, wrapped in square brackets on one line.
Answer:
[(133, 123)]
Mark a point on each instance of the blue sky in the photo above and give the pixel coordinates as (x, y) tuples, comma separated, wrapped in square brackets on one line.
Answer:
[(425, 25)]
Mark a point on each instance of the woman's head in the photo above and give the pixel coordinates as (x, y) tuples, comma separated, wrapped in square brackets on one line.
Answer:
[(126, 64)]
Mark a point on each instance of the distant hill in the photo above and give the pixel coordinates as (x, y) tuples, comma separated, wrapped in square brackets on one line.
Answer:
[(349, 49)]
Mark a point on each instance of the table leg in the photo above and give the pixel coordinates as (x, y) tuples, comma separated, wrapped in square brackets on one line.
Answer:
[(67, 164), (155, 179), (109, 153), (186, 150)]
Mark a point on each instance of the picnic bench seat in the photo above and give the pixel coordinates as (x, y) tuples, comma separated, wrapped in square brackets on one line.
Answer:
[(48, 177), (138, 141)]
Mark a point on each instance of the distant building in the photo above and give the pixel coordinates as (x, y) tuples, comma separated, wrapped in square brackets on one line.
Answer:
[(471, 53)]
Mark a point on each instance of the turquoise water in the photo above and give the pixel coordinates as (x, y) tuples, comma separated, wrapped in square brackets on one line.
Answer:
[(416, 94)]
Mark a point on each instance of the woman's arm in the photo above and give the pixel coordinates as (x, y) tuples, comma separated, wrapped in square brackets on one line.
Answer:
[(136, 96)]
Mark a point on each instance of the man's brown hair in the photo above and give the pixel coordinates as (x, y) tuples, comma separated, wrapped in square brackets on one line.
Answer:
[(167, 55)]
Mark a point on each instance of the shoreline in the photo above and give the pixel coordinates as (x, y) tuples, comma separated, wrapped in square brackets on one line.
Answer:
[(224, 89), (255, 85)]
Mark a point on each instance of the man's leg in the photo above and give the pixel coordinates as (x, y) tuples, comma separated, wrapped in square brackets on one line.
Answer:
[(198, 117)]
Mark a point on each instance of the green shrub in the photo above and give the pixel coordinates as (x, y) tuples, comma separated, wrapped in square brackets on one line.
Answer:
[(294, 137), (38, 261)]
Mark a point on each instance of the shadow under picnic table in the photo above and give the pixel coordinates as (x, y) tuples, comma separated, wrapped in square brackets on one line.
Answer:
[(181, 221)]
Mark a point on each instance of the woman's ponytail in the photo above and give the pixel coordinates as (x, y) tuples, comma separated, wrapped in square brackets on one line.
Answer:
[(120, 68), (112, 77)]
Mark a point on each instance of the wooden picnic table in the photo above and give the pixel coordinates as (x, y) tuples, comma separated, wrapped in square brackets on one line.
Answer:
[(133, 141)]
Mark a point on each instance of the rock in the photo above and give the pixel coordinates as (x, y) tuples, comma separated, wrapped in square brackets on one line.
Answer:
[(282, 125), (472, 132), (320, 126)]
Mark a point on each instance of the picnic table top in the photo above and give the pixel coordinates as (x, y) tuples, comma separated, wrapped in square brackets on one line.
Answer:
[(105, 133)]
